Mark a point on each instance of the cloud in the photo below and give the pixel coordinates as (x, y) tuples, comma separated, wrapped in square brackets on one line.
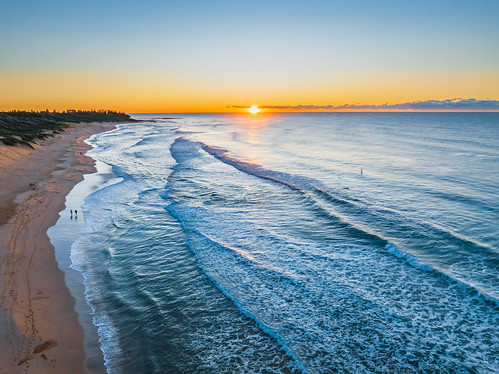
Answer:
[(449, 104)]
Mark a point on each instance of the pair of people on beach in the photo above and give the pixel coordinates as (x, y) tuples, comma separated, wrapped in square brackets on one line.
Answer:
[(76, 213)]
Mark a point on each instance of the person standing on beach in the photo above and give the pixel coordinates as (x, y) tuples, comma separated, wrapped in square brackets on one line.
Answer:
[(76, 213), (71, 211)]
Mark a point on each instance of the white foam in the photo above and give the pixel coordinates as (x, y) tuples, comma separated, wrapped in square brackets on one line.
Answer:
[(411, 259)]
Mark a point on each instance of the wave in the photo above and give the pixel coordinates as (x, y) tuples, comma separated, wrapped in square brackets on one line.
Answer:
[(310, 185), (411, 260), (397, 221), (291, 181), (244, 309), (106, 330), (183, 149), (452, 197), (416, 263), (340, 288)]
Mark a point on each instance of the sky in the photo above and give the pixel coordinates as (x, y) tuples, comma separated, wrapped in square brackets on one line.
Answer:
[(217, 56)]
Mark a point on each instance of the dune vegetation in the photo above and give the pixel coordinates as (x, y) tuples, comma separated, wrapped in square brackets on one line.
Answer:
[(25, 127)]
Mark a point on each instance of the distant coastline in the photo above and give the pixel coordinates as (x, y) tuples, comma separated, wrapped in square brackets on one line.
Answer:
[(25, 127)]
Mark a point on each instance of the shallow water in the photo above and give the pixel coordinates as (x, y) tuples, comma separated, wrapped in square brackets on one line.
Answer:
[(240, 243)]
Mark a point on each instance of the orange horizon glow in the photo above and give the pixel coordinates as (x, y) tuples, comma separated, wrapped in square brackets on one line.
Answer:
[(83, 105), (238, 111), (151, 93)]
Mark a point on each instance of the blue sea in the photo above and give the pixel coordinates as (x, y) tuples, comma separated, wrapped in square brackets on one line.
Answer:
[(295, 243)]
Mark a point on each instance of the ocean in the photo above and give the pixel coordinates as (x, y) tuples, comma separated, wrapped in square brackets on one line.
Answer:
[(295, 243)]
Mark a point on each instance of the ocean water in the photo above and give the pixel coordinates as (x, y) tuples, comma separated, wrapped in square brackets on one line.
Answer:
[(255, 244)]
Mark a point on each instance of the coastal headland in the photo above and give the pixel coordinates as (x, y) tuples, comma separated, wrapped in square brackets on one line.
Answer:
[(38, 325)]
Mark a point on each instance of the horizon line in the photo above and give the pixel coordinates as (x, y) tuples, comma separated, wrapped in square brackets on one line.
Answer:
[(265, 111)]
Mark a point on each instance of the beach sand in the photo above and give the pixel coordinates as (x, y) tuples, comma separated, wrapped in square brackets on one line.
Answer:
[(39, 330)]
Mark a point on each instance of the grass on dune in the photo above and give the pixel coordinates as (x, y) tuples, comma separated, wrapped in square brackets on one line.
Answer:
[(23, 127)]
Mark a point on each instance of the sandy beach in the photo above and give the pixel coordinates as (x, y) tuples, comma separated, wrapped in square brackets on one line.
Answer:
[(38, 325)]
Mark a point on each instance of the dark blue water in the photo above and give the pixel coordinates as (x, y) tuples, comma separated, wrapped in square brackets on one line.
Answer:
[(239, 243)]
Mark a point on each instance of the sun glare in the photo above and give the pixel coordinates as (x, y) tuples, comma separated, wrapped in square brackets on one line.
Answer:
[(254, 109)]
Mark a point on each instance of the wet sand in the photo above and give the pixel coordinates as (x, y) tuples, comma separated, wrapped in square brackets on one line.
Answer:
[(39, 330)]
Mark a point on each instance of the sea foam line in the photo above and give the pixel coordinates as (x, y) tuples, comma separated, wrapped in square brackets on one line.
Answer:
[(307, 185), (245, 311)]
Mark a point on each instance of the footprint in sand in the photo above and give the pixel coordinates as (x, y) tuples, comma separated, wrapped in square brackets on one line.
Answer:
[(44, 346), (40, 348)]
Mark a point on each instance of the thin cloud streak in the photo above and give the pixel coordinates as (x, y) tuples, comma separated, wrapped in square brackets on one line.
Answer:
[(444, 105)]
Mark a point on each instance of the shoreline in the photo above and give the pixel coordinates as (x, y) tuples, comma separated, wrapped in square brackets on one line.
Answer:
[(38, 322), (63, 235)]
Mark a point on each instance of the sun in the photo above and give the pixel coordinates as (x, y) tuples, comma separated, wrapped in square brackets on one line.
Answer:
[(254, 109)]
